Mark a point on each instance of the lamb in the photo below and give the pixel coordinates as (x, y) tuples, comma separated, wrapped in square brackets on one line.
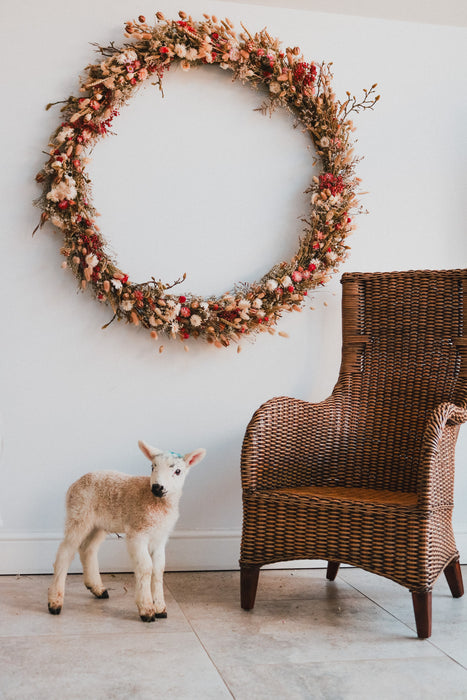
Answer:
[(144, 508)]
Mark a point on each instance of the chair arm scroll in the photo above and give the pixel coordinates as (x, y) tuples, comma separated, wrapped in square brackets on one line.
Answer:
[(436, 473), (282, 439)]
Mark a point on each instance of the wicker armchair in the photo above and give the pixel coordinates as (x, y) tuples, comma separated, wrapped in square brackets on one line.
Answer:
[(366, 477)]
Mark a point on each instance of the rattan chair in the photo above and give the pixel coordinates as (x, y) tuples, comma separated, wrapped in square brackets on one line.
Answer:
[(366, 477)]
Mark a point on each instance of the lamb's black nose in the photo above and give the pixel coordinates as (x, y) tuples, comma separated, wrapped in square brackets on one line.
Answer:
[(157, 490)]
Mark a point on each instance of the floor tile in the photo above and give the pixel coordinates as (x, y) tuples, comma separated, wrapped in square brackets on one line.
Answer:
[(449, 614), (23, 608), (108, 667), (344, 627), (388, 679)]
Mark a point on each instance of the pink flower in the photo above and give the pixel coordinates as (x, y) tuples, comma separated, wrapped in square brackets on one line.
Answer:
[(297, 276), (185, 312)]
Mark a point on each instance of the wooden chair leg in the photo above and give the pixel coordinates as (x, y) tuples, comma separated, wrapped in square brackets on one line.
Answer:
[(248, 584), (422, 609), (453, 575), (333, 567)]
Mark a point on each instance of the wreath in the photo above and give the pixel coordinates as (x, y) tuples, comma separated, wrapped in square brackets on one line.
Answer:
[(286, 80)]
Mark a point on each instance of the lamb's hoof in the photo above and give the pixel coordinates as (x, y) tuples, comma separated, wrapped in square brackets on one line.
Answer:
[(101, 596), (148, 618), (55, 610), (161, 614)]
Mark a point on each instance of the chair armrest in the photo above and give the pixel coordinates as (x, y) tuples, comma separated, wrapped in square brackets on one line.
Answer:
[(283, 439), (436, 470)]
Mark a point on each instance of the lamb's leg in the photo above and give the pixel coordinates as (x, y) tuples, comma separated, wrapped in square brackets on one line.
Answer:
[(157, 580), (138, 550), (88, 555), (74, 535)]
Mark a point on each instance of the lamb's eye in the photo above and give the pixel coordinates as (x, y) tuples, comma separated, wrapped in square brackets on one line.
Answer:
[(177, 472)]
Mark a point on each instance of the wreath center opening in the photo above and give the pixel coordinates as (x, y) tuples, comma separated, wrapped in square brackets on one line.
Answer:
[(199, 182)]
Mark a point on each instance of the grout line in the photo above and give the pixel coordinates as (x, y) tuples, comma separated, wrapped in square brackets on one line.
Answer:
[(203, 646), (382, 607)]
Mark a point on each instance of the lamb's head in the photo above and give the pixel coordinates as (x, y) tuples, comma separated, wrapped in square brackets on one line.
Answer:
[(169, 469)]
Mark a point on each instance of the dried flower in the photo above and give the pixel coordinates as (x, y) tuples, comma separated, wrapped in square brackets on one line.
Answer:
[(65, 190), (92, 260), (128, 56), (64, 134), (196, 320), (271, 285), (180, 50)]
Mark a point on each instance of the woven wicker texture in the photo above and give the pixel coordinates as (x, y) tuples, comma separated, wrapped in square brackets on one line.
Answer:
[(366, 477)]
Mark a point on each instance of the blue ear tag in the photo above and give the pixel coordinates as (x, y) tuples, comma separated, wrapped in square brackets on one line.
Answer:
[(175, 454)]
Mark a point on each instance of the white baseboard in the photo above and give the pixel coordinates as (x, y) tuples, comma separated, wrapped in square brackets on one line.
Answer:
[(187, 550)]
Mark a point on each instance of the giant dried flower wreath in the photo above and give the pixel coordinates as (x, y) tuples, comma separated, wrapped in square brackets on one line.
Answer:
[(301, 87)]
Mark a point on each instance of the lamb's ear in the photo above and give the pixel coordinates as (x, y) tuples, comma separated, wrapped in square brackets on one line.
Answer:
[(148, 451), (192, 458)]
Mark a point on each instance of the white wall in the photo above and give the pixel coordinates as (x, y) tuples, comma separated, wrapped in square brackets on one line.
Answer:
[(198, 182)]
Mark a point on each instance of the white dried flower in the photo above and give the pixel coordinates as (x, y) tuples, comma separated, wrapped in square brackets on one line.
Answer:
[(286, 281), (191, 54), (180, 50), (195, 320), (258, 303), (116, 283), (234, 54), (92, 260), (271, 285), (204, 305), (324, 142), (126, 305), (243, 304), (185, 65), (66, 189), (274, 87), (63, 134), (128, 56), (174, 310)]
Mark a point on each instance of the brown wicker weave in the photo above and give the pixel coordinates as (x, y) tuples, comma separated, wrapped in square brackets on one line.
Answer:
[(366, 477)]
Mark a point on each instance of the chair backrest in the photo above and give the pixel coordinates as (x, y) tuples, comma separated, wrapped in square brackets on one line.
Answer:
[(404, 352)]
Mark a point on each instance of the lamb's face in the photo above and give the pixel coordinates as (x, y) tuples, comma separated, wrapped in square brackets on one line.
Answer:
[(168, 474), (169, 469)]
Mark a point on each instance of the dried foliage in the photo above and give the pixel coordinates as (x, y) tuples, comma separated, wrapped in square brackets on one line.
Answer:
[(291, 83)]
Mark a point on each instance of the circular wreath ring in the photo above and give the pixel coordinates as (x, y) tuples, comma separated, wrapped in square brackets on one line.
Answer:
[(287, 81)]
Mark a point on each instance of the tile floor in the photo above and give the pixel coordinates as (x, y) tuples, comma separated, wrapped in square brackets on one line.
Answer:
[(306, 638)]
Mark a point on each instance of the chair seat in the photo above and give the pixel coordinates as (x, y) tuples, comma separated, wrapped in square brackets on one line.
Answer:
[(353, 495)]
